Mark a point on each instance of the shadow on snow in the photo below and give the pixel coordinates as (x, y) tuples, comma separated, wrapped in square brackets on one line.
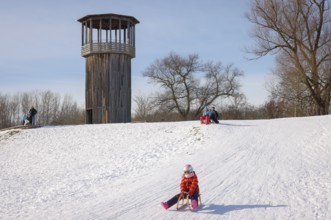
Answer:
[(222, 209), (236, 125)]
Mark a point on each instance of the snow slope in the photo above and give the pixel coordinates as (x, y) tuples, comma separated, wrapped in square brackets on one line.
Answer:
[(259, 169)]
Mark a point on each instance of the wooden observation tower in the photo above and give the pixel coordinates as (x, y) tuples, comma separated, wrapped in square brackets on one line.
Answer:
[(108, 44)]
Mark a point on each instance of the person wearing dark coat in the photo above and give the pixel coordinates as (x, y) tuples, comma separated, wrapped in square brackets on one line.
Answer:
[(214, 115), (32, 115)]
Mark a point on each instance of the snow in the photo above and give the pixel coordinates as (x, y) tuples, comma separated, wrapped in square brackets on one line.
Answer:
[(252, 169)]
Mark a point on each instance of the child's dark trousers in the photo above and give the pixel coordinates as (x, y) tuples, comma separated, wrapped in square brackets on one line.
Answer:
[(174, 199)]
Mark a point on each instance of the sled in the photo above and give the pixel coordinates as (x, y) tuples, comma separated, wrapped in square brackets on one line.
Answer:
[(184, 200), (205, 120)]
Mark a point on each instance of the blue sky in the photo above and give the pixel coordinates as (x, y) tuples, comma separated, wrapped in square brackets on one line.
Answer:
[(40, 41)]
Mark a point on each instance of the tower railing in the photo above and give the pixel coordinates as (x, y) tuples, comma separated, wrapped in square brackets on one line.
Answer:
[(110, 47)]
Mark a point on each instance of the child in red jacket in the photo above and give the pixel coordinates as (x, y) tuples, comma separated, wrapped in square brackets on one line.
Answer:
[(188, 184)]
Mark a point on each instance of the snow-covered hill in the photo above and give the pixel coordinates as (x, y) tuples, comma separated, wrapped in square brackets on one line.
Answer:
[(259, 169)]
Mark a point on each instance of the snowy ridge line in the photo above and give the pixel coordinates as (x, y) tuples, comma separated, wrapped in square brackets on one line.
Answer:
[(20, 127)]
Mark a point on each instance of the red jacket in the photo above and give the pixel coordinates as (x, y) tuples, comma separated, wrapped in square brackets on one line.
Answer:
[(189, 185)]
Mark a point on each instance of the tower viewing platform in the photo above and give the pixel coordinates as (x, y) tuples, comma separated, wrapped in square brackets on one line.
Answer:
[(108, 33)]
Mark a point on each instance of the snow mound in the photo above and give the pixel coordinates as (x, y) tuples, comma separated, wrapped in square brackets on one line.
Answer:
[(257, 169)]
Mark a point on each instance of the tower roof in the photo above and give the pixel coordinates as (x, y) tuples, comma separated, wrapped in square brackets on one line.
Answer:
[(115, 20)]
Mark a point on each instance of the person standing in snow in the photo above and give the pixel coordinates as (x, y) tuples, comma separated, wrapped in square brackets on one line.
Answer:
[(32, 115), (189, 185)]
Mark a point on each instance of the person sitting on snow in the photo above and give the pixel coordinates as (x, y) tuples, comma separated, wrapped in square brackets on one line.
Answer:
[(189, 185), (25, 120), (214, 115)]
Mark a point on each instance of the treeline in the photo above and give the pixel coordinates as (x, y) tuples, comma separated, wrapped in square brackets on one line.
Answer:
[(56, 110), (233, 108), (52, 109)]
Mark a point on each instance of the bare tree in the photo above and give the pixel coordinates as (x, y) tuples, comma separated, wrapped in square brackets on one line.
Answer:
[(14, 109), (69, 113), (45, 107), (188, 84), (26, 102), (4, 111), (300, 31), (287, 88), (48, 106), (144, 107)]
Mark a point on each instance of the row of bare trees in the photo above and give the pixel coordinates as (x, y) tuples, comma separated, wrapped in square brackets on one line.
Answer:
[(52, 108), (272, 108)]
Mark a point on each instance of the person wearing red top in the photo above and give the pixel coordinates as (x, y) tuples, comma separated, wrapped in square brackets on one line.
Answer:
[(189, 184)]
